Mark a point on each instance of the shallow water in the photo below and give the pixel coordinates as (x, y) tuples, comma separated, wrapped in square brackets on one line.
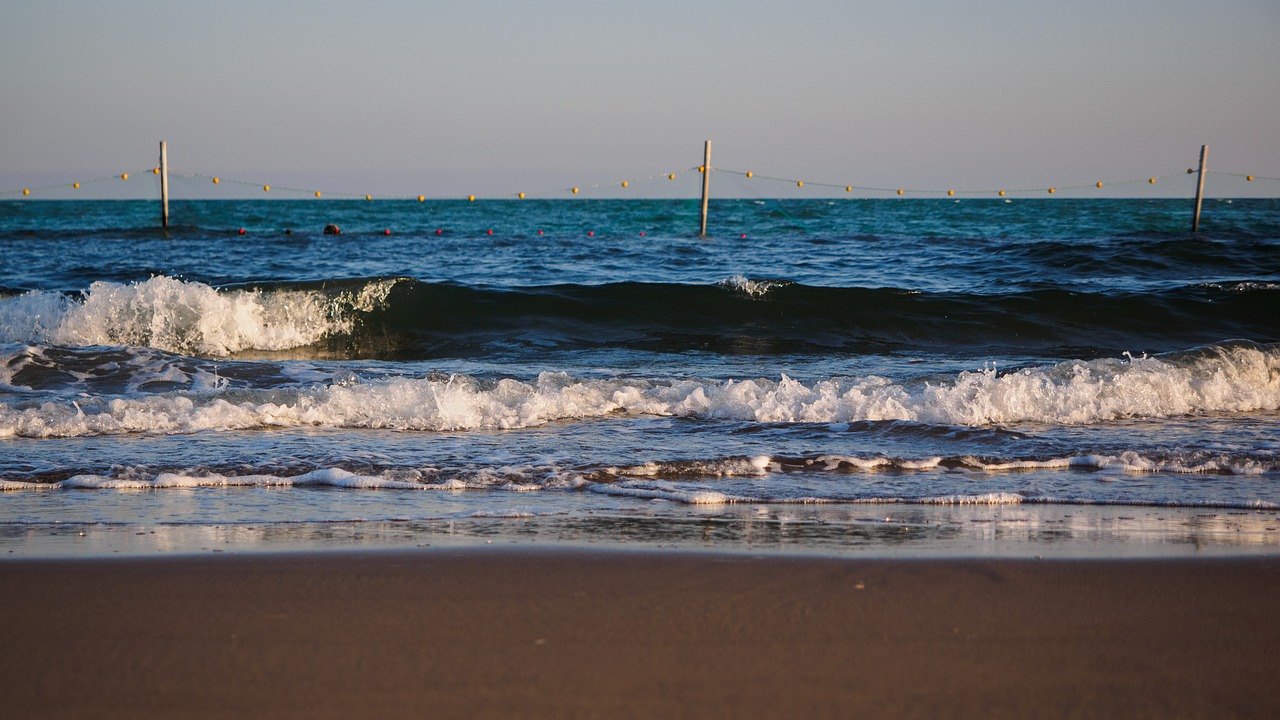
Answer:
[(595, 359)]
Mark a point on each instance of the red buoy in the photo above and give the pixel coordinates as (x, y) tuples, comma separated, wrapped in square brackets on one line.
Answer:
[(241, 231)]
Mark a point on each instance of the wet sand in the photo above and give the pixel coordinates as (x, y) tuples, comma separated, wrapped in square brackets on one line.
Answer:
[(521, 633)]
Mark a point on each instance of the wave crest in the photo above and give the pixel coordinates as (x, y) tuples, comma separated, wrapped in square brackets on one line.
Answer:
[(1233, 377), (186, 317)]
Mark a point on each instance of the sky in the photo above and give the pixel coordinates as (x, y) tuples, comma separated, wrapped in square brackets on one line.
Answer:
[(495, 97)]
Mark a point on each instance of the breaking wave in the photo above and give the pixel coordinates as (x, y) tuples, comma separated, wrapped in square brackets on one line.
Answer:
[(717, 481), (402, 318), (186, 317), (1231, 377)]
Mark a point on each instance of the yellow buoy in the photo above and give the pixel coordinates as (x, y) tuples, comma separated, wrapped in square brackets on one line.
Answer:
[(1001, 193), (155, 171), (521, 196), (75, 185), (848, 188), (215, 181), (25, 191), (1099, 184), (368, 197), (749, 173), (1249, 178), (702, 168), (625, 183), (899, 191), (124, 176), (799, 183), (1152, 181), (575, 191), (1052, 191), (266, 188), (951, 192), (471, 198), (672, 176), (317, 193), (422, 198)]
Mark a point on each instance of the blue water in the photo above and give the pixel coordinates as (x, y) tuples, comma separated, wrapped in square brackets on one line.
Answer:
[(540, 363)]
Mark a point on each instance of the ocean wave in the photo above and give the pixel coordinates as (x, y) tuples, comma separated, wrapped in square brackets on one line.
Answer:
[(403, 318), (1131, 462), (764, 316), (514, 479), (1225, 378), (186, 317), (1243, 286), (753, 288), (716, 481)]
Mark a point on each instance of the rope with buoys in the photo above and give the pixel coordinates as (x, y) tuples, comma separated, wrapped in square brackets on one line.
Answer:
[(624, 184), (267, 187), (76, 184), (1248, 178), (579, 190), (573, 190), (950, 192)]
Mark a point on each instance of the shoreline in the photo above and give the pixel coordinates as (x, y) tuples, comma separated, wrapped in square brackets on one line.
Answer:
[(824, 531), (506, 631)]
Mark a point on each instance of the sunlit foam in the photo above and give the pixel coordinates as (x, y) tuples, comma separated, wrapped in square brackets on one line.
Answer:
[(184, 317), (1229, 378)]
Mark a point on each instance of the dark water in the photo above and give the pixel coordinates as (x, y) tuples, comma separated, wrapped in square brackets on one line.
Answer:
[(521, 359)]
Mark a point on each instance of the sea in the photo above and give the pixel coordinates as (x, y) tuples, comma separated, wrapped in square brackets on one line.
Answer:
[(1027, 377)]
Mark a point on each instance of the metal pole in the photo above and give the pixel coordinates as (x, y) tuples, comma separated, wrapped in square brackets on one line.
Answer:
[(164, 185), (1195, 220), (706, 185)]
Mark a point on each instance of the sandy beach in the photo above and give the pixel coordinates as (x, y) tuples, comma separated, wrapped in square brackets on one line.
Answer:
[(565, 633)]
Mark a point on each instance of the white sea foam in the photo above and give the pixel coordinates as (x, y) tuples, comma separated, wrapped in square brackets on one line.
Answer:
[(672, 492), (725, 467), (399, 479), (754, 289), (183, 317), (846, 462), (995, 498), (678, 481), (1243, 286), (1132, 462), (24, 369), (1232, 379)]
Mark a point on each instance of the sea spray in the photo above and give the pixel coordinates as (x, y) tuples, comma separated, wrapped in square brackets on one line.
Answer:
[(1232, 378), (184, 317)]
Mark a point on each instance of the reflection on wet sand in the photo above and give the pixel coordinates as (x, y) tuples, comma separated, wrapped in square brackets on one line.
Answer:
[(871, 530)]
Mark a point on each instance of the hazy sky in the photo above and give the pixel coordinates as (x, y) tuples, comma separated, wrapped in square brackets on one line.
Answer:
[(494, 97)]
